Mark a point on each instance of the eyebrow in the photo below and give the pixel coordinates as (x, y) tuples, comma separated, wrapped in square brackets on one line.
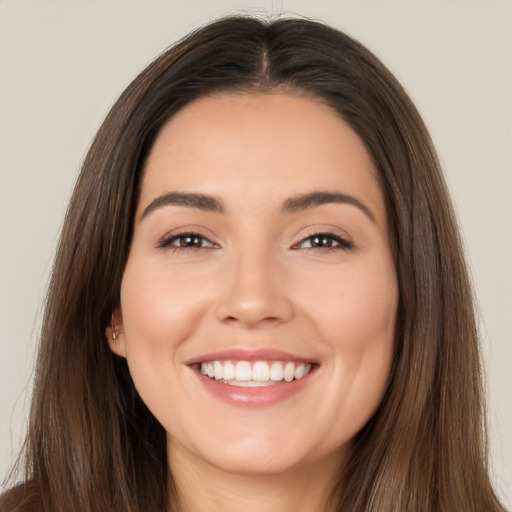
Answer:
[(315, 199), (190, 200), (295, 204)]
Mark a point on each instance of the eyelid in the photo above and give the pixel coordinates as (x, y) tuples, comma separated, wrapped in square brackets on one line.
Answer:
[(344, 241), (166, 240)]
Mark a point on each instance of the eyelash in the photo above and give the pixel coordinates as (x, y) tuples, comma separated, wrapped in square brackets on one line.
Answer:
[(167, 241), (341, 243)]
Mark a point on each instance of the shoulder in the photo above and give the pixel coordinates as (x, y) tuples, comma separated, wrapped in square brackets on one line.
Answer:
[(20, 498)]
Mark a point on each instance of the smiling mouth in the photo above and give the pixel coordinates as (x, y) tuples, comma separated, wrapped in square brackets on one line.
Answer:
[(254, 373)]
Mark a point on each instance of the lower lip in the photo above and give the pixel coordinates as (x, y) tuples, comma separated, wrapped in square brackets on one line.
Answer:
[(262, 396)]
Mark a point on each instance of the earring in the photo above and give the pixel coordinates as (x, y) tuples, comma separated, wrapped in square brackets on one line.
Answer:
[(114, 330)]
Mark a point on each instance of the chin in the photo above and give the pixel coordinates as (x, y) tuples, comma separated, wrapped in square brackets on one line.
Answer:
[(267, 456)]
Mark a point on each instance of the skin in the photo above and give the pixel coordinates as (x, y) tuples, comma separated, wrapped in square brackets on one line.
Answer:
[(256, 282)]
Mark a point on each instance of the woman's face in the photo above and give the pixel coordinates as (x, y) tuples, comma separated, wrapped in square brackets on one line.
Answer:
[(259, 299)]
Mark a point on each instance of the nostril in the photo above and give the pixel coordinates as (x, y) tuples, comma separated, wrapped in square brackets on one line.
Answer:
[(252, 321)]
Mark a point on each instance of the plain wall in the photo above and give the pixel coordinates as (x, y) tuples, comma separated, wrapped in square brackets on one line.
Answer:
[(62, 64)]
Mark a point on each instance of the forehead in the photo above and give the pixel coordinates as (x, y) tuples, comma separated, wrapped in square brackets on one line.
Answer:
[(249, 146)]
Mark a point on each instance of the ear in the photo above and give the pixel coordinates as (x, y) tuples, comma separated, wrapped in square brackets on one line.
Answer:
[(115, 334)]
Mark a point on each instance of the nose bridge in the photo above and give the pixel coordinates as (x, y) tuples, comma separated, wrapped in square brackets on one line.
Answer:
[(254, 290)]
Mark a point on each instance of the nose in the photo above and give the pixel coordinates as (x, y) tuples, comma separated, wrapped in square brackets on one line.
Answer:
[(255, 292)]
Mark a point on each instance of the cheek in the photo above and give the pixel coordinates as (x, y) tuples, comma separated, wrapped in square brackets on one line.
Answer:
[(356, 317), (160, 308), (362, 330), (355, 309)]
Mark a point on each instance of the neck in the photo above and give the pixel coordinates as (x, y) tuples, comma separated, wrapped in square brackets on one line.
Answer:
[(201, 486)]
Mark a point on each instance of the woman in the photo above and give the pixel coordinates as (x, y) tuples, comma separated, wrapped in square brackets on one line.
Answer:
[(259, 299)]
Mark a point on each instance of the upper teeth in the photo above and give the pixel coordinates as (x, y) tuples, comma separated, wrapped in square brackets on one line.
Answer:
[(257, 372)]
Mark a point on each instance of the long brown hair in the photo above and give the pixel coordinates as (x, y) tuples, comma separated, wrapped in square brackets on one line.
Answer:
[(93, 445)]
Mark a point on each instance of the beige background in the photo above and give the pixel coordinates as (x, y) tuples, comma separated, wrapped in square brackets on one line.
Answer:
[(62, 64)]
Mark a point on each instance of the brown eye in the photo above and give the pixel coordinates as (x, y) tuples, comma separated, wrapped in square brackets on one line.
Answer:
[(187, 241), (324, 241), (190, 241)]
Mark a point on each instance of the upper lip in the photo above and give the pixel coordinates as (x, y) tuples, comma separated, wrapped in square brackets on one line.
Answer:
[(244, 354)]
